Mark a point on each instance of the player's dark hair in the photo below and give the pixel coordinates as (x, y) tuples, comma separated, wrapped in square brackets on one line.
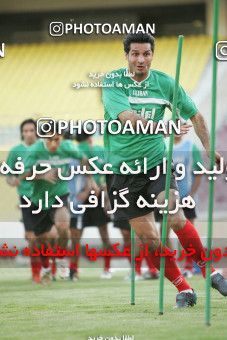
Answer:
[(83, 136), (67, 135), (26, 121), (138, 38)]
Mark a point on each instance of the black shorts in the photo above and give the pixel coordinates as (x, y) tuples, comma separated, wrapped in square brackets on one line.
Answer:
[(124, 225), (92, 217), (190, 214), (26, 216), (43, 221), (137, 185)]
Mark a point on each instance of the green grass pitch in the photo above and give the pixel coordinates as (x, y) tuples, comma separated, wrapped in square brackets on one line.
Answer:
[(95, 307)]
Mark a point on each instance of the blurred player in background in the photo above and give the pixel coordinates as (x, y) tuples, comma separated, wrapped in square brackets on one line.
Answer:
[(143, 96), (51, 224), (80, 188), (28, 137)]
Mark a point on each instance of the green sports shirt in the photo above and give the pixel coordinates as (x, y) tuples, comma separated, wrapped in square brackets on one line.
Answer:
[(38, 153), (20, 150), (149, 99)]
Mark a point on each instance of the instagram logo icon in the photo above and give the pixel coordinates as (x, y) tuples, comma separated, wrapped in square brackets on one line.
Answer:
[(56, 28), (46, 127)]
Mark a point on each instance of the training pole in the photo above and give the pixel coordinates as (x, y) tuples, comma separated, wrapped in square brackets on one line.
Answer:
[(212, 157), (168, 175), (132, 276)]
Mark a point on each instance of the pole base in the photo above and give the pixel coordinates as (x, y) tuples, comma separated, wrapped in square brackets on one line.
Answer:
[(132, 303), (161, 313)]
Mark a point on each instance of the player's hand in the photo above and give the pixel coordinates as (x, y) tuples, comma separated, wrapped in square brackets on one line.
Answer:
[(217, 159), (14, 181), (184, 129), (51, 176)]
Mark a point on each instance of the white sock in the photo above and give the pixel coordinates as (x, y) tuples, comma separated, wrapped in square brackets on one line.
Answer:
[(187, 291), (214, 273)]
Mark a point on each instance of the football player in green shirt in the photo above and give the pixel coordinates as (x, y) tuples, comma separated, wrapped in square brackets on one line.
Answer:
[(29, 137), (51, 223), (143, 96)]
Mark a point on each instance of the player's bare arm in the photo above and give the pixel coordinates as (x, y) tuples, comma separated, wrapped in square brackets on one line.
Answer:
[(83, 195), (13, 181)]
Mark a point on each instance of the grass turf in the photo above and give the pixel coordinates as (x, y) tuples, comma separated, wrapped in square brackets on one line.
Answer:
[(95, 307)]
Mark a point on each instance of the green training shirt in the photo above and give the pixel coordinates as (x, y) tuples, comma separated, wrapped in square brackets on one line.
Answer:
[(148, 99), (38, 153), (20, 150)]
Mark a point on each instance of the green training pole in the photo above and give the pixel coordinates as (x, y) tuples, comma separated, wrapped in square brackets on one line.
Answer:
[(168, 175), (132, 267), (212, 157)]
